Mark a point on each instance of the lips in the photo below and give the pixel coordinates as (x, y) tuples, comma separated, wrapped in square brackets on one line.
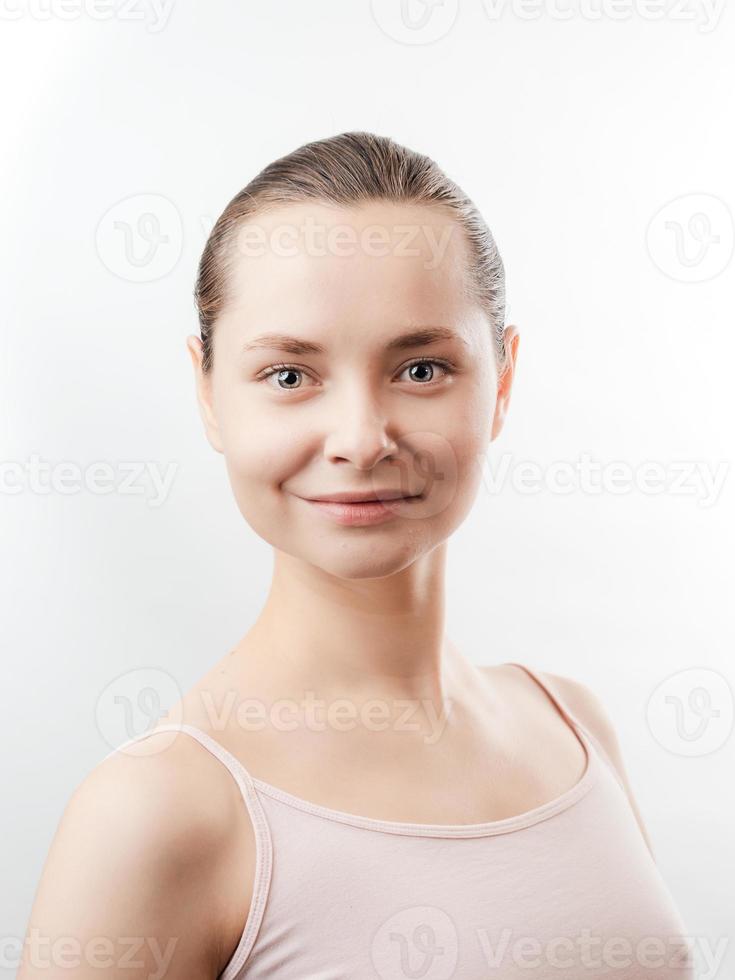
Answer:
[(361, 497), (362, 513)]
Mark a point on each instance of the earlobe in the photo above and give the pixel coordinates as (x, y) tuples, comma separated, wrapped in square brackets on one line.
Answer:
[(498, 417), (194, 346), (511, 343), (204, 394), (505, 382)]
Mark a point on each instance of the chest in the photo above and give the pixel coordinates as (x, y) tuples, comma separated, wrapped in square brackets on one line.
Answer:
[(575, 895), (470, 775)]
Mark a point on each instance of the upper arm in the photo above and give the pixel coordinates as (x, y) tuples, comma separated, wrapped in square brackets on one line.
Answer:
[(589, 709), (126, 882)]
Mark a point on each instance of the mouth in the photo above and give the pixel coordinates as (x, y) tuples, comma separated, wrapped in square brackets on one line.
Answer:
[(357, 497), (360, 513)]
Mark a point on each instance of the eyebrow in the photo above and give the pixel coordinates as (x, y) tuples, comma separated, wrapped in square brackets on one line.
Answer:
[(294, 345)]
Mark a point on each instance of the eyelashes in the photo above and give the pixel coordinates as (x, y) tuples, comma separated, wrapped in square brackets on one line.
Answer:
[(445, 365)]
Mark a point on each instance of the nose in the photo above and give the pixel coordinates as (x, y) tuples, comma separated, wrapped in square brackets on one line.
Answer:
[(359, 431)]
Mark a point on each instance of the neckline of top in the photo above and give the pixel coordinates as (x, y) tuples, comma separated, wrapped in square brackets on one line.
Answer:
[(488, 828)]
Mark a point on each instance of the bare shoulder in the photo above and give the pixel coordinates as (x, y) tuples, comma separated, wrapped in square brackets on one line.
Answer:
[(141, 828), (590, 710), (584, 705), (171, 797)]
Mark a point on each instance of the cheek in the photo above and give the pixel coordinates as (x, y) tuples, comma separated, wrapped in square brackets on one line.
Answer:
[(262, 452), (457, 449), (260, 443), (255, 466), (446, 467), (265, 450)]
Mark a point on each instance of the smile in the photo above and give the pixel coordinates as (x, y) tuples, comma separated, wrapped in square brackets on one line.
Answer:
[(362, 512)]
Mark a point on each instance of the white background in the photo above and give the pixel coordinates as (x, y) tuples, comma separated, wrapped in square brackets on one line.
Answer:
[(571, 135)]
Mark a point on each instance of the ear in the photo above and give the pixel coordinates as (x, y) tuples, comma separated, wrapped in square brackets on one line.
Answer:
[(204, 393), (512, 339)]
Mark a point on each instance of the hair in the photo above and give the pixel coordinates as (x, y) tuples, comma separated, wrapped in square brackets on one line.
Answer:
[(352, 169)]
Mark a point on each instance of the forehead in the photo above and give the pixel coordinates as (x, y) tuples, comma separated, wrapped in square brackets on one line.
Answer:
[(313, 263)]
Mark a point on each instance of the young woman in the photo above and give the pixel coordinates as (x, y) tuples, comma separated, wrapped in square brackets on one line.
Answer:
[(345, 794)]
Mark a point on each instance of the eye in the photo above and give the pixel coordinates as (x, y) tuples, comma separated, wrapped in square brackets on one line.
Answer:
[(285, 375), (422, 364)]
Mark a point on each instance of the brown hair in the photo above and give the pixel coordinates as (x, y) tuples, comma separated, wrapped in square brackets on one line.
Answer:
[(351, 169)]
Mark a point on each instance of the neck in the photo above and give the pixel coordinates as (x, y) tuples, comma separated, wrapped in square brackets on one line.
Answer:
[(376, 637)]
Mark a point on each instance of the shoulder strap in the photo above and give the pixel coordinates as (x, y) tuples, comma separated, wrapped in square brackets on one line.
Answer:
[(263, 841), (572, 719), (566, 712)]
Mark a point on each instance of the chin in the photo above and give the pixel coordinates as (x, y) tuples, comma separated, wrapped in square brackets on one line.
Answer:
[(365, 559)]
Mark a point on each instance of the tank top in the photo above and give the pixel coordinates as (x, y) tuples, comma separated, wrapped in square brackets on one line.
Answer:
[(567, 890)]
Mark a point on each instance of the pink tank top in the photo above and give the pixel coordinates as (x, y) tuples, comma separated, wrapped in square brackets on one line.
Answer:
[(567, 890)]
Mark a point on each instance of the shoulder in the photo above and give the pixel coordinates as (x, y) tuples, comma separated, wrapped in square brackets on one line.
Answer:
[(165, 795), (580, 699), (137, 831), (590, 710), (585, 705)]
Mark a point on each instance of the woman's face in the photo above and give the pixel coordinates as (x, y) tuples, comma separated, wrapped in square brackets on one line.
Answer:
[(341, 399)]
